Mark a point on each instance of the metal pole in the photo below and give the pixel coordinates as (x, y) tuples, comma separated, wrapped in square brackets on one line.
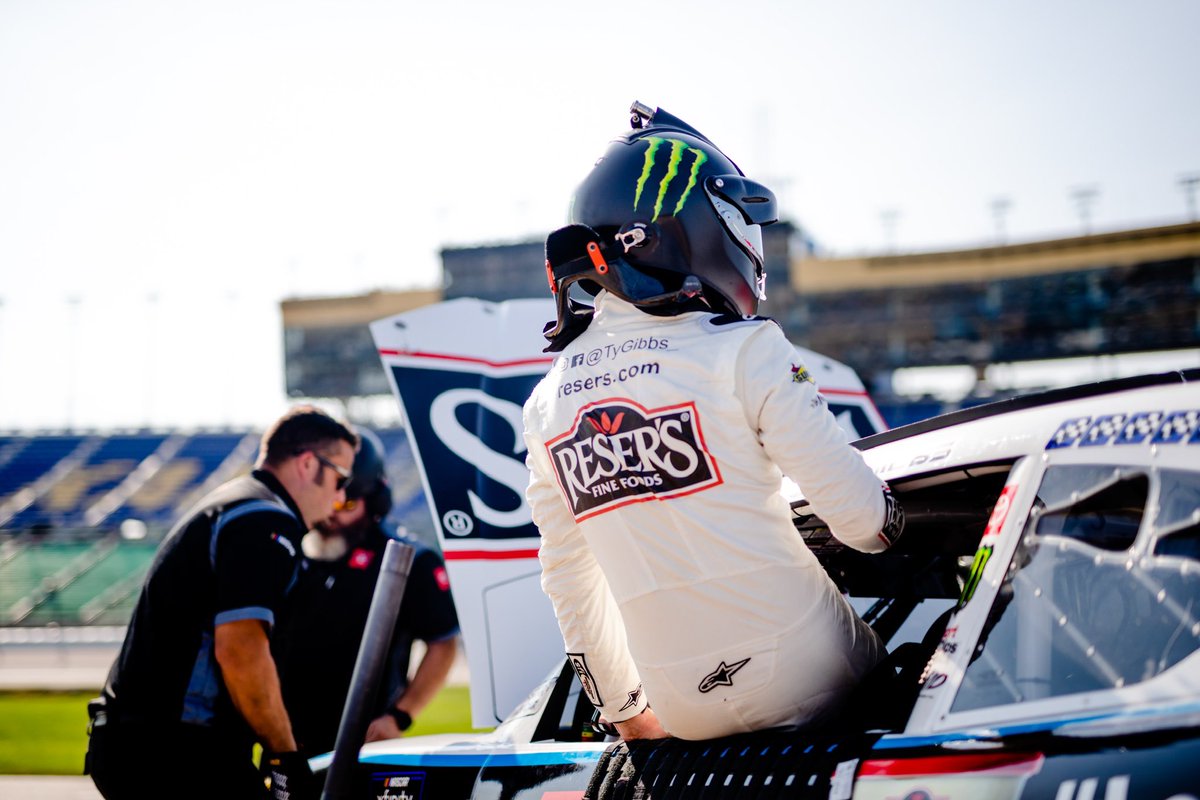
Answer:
[(1000, 206), (372, 654), (888, 217), (1188, 183), (1084, 197)]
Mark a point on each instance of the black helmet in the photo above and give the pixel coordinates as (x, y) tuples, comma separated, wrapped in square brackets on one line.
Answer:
[(370, 483), (662, 218)]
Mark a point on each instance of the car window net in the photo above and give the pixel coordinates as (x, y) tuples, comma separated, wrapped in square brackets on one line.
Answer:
[(1098, 596)]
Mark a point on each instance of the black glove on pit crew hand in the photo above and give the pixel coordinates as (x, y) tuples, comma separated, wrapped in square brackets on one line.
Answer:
[(291, 778)]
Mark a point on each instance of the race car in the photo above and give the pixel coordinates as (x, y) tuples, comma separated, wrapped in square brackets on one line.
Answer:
[(1041, 612)]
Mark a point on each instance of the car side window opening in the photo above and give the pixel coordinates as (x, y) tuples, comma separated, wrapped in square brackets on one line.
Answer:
[(1103, 591), (906, 594)]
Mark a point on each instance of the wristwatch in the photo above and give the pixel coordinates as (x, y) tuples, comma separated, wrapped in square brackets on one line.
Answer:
[(403, 719)]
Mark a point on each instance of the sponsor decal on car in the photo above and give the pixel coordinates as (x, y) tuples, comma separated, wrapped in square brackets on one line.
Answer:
[(617, 452), (402, 786), (987, 544), (1137, 428), (946, 777)]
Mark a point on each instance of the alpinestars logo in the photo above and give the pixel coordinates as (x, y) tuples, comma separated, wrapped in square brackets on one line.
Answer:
[(721, 676), (618, 452), (674, 160), (632, 699)]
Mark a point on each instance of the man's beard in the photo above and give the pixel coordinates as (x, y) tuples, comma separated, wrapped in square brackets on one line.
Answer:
[(329, 542), (320, 547)]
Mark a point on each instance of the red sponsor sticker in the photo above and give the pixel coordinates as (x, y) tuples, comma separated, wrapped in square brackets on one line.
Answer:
[(443, 580), (999, 514), (1012, 764), (361, 559)]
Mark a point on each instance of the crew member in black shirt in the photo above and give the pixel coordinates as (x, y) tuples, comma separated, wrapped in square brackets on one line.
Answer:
[(195, 684), (328, 613)]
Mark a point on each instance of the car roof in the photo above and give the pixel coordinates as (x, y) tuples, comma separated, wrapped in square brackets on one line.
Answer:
[(1027, 402)]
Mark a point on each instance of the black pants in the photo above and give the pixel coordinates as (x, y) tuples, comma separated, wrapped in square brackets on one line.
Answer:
[(138, 760)]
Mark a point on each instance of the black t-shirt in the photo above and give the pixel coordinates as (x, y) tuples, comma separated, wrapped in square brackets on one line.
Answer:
[(234, 556), (318, 641)]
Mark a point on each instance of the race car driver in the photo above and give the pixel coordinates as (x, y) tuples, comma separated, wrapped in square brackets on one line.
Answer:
[(328, 613), (688, 604)]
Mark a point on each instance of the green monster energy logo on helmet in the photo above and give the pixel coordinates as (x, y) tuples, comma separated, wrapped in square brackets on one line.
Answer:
[(678, 148)]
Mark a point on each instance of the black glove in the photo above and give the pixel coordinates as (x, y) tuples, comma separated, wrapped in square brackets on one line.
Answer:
[(893, 517), (290, 776)]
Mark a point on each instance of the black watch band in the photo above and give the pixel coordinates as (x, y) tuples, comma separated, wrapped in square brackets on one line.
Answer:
[(403, 719)]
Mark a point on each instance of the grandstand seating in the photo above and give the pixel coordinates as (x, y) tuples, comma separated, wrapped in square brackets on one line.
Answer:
[(97, 481), (63, 498), (1106, 309), (96, 473), (72, 583), (26, 571), (26, 463)]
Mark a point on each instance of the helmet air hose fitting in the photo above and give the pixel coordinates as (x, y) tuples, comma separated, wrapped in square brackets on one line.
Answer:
[(638, 234)]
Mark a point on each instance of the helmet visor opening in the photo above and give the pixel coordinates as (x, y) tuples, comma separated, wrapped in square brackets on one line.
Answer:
[(743, 207), (755, 201), (748, 236)]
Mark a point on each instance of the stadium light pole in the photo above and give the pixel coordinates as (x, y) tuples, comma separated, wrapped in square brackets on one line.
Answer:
[(1084, 196), (229, 391), (73, 302), (1188, 183), (1000, 207), (889, 218), (151, 355), (2, 341)]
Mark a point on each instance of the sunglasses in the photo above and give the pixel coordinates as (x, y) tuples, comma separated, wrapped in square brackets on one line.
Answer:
[(344, 475), (349, 504)]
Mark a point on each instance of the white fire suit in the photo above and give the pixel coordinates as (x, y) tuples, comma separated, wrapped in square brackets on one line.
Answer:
[(656, 446)]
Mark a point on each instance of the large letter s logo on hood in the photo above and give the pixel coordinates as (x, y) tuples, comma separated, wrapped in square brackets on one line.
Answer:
[(507, 470)]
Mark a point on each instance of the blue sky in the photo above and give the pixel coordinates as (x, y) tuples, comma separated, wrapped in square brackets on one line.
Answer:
[(169, 171)]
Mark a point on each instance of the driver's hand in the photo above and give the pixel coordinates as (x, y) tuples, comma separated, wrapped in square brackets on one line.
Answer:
[(644, 726)]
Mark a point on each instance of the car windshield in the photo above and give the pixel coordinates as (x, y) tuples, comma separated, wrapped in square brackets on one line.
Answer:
[(1103, 591)]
